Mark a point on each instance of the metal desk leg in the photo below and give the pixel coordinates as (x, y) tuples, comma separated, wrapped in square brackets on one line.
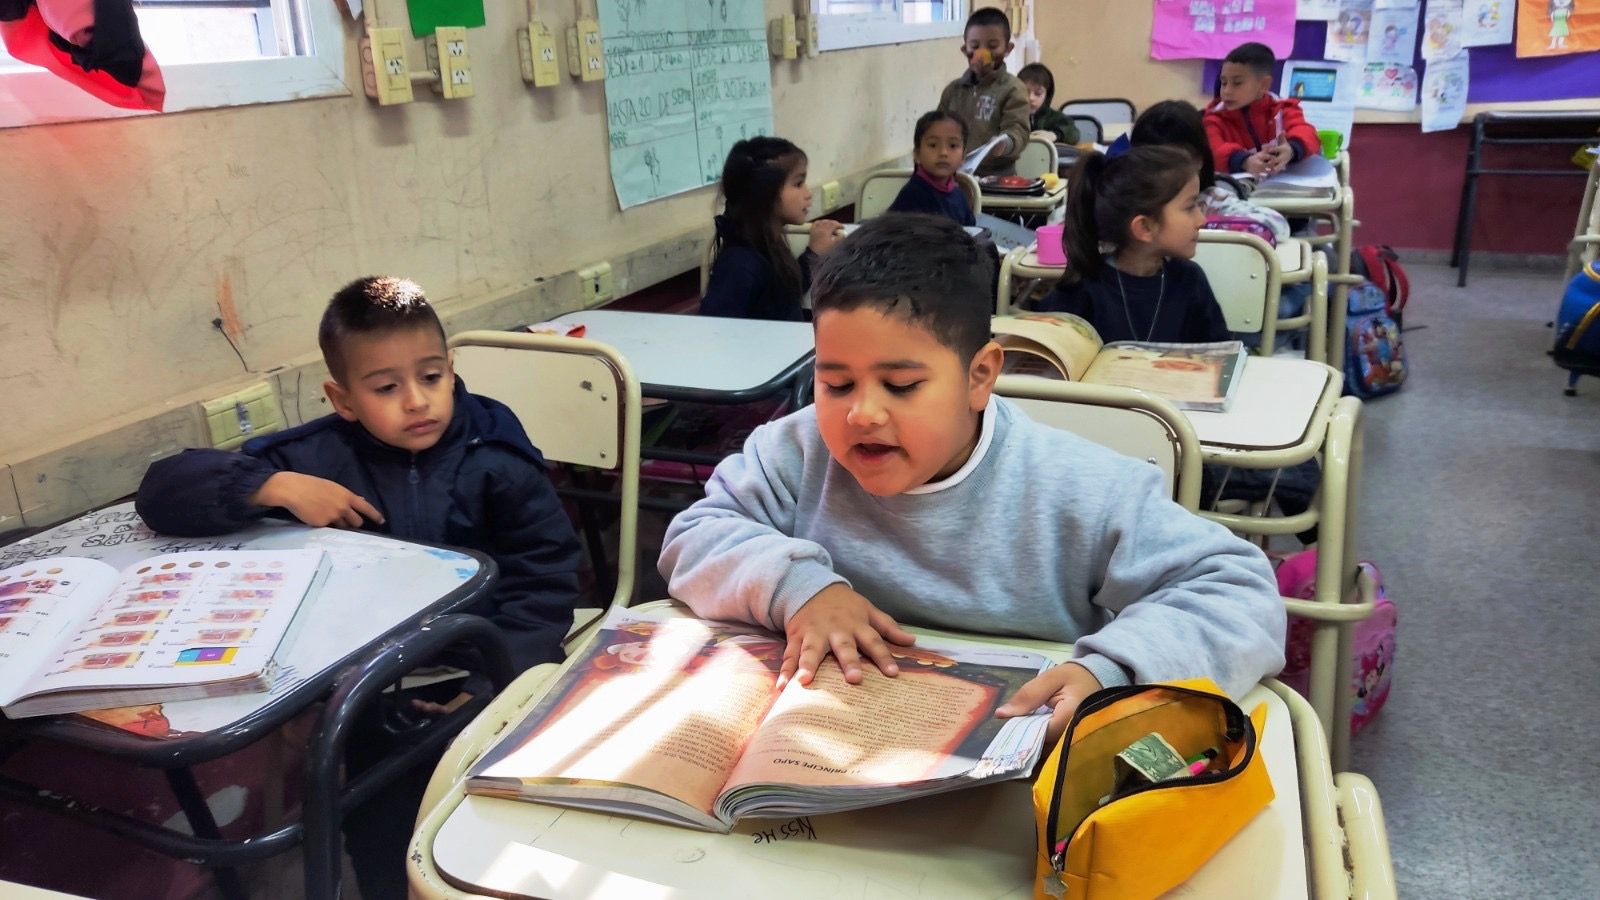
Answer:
[(1462, 252), (204, 825)]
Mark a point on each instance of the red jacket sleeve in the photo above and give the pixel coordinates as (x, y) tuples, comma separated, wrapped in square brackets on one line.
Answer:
[(1223, 145), (1296, 128)]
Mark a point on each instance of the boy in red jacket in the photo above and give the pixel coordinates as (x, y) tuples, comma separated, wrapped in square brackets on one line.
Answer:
[(1249, 128)]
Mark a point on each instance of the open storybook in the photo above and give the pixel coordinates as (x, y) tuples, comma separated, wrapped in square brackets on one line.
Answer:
[(1064, 346), (668, 717), (76, 634)]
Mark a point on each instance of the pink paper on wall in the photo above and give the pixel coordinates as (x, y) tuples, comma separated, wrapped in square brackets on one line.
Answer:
[(1208, 29)]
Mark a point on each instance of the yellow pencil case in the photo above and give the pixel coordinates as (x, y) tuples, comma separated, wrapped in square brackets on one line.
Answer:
[(1151, 838)]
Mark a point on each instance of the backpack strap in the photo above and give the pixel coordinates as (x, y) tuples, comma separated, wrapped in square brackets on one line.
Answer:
[(1400, 285)]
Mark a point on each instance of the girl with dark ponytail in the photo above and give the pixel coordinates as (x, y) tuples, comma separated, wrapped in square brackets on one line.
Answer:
[(1132, 224), (755, 276)]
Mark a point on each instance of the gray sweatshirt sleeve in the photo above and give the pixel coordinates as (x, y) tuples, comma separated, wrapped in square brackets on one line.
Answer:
[(729, 556), (1189, 598)]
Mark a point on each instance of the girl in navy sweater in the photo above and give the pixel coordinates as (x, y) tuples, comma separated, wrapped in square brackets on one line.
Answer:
[(755, 276), (938, 143)]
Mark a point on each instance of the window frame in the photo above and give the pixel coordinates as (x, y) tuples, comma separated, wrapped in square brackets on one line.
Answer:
[(37, 97), (840, 31)]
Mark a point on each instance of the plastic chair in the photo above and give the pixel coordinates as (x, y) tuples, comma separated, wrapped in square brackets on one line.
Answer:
[(1090, 131), (1245, 276), (579, 402), (1130, 422), (882, 186), (1111, 113), (1586, 234), (1038, 157)]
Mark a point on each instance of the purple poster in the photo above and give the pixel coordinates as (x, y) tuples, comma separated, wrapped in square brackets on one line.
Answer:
[(1208, 29)]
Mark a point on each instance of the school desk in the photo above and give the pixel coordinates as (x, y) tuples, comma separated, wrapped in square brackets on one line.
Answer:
[(1286, 412), (380, 613), (1020, 205), (973, 843), (1338, 208), (1564, 128), (703, 359)]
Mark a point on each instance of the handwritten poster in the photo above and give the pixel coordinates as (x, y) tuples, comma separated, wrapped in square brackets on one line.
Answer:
[(1555, 27), (1208, 29), (1486, 23), (684, 82), (1444, 93), (1348, 32), (1387, 86), (1394, 36), (1441, 30)]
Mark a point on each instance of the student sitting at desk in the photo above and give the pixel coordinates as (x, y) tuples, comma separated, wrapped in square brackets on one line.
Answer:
[(1042, 114), (410, 453), (1179, 123), (1145, 204), (898, 497), (1251, 130), (989, 99), (937, 144), (755, 276)]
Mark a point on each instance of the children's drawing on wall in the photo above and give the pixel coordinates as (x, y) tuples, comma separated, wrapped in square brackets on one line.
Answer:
[(1486, 23), (1394, 36), (1444, 93), (1556, 27), (1348, 33), (1441, 30), (1387, 86)]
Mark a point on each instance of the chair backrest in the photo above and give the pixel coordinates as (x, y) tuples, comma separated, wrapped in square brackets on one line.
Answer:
[(1130, 422), (1244, 274), (579, 402), (1038, 157), (882, 186), (798, 236), (1089, 128), (1112, 113)]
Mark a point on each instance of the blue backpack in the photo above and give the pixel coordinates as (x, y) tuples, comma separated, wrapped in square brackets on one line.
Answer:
[(1374, 358), (1577, 346)]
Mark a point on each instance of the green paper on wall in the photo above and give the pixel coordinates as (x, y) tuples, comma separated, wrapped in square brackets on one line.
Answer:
[(426, 15)]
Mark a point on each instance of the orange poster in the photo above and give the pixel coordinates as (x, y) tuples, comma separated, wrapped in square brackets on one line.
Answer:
[(1554, 27)]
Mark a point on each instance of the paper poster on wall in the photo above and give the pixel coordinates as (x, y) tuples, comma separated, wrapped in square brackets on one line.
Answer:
[(1444, 93), (1486, 23), (1387, 86), (1554, 27), (1396, 4), (1317, 10), (1348, 32), (1326, 91), (1441, 30), (1394, 36), (684, 82), (1209, 29)]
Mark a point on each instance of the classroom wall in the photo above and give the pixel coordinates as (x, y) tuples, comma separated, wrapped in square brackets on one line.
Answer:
[(1408, 184), (122, 240)]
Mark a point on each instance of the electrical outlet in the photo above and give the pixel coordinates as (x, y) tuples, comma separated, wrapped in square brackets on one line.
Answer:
[(537, 45), (781, 39), (595, 284), (237, 417), (586, 56), (447, 56), (385, 75), (830, 196)]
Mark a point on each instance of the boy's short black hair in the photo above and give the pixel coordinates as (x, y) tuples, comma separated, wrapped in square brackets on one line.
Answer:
[(929, 119), (372, 305), (925, 269), (1257, 56), (987, 17)]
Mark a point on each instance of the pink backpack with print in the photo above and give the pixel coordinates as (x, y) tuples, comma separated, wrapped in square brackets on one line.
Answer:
[(1373, 647)]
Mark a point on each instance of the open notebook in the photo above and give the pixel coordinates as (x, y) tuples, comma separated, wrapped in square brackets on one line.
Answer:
[(76, 634)]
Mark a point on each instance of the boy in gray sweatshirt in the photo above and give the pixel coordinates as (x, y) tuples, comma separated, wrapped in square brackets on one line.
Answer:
[(909, 492)]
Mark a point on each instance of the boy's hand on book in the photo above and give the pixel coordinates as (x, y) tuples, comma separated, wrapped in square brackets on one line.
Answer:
[(1061, 688), (842, 622), (316, 501)]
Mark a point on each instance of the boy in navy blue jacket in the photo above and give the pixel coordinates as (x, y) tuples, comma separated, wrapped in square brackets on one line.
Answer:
[(410, 453)]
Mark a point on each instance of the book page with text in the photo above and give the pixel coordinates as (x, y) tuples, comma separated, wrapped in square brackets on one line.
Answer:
[(664, 705), (42, 603)]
